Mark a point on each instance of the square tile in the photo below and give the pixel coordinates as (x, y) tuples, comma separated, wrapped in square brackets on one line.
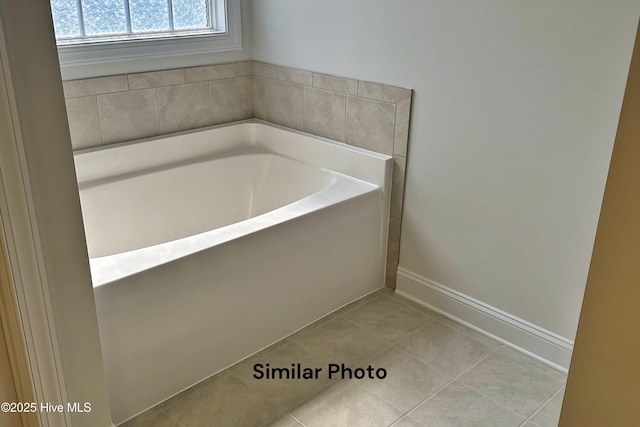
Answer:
[(264, 70), (549, 414), (386, 318), (154, 417), (285, 103), (221, 402), (408, 380), (243, 68), (259, 98), (370, 124), (346, 404), (406, 422), (231, 99), (340, 341), (325, 113), (459, 406), (285, 421), (285, 391), (184, 107), (514, 380), (445, 349), (84, 122), (126, 116)]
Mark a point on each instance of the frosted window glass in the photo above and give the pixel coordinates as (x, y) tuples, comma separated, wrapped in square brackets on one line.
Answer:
[(149, 15), (75, 19), (189, 14), (65, 18), (104, 17)]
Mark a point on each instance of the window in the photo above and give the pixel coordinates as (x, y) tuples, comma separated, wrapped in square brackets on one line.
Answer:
[(86, 21), (112, 35)]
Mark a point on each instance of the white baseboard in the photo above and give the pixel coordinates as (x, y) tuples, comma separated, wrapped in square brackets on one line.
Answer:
[(539, 343)]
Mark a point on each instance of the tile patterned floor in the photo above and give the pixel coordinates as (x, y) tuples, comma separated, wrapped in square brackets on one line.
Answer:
[(438, 374)]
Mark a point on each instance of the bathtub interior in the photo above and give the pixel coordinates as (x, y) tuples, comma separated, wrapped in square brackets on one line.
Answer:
[(125, 213)]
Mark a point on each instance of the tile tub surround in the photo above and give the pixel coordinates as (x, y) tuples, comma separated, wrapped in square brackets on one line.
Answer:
[(364, 114), (439, 373), (126, 107)]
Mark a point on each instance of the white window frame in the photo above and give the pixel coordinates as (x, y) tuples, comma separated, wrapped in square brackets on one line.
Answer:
[(125, 56)]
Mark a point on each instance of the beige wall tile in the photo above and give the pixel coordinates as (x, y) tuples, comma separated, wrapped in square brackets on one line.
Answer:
[(264, 70), (397, 186), (84, 122), (325, 113), (336, 84), (393, 246), (210, 72), (390, 281), (184, 107), (243, 68), (382, 92), (231, 99), (129, 115), (259, 98), (370, 124), (97, 86), (293, 75), (285, 103), (401, 136), (156, 79)]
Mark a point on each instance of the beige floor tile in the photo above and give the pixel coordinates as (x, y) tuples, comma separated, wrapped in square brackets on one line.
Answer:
[(549, 414), (247, 364), (408, 380), (387, 318), (412, 304), (154, 417), (339, 312), (514, 380), (458, 406), (407, 422), (467, 331), (221, 403), (286, 393), (444, 348), (346, 404), (284, 421), (340, 341)]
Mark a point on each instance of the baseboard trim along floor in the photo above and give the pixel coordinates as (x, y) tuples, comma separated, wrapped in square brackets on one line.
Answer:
[(549, 348)]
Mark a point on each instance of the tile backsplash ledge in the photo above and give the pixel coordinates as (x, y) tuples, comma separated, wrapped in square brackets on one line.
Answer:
[(369, 115)]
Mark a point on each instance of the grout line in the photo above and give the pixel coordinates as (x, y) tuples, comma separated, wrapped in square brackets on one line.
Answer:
[(436, 391), (539, 408)]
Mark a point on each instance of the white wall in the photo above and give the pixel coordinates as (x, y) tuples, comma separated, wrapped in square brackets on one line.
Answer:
[(514, 116)]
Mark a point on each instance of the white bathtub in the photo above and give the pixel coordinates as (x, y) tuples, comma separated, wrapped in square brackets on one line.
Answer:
[(208, 246)]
